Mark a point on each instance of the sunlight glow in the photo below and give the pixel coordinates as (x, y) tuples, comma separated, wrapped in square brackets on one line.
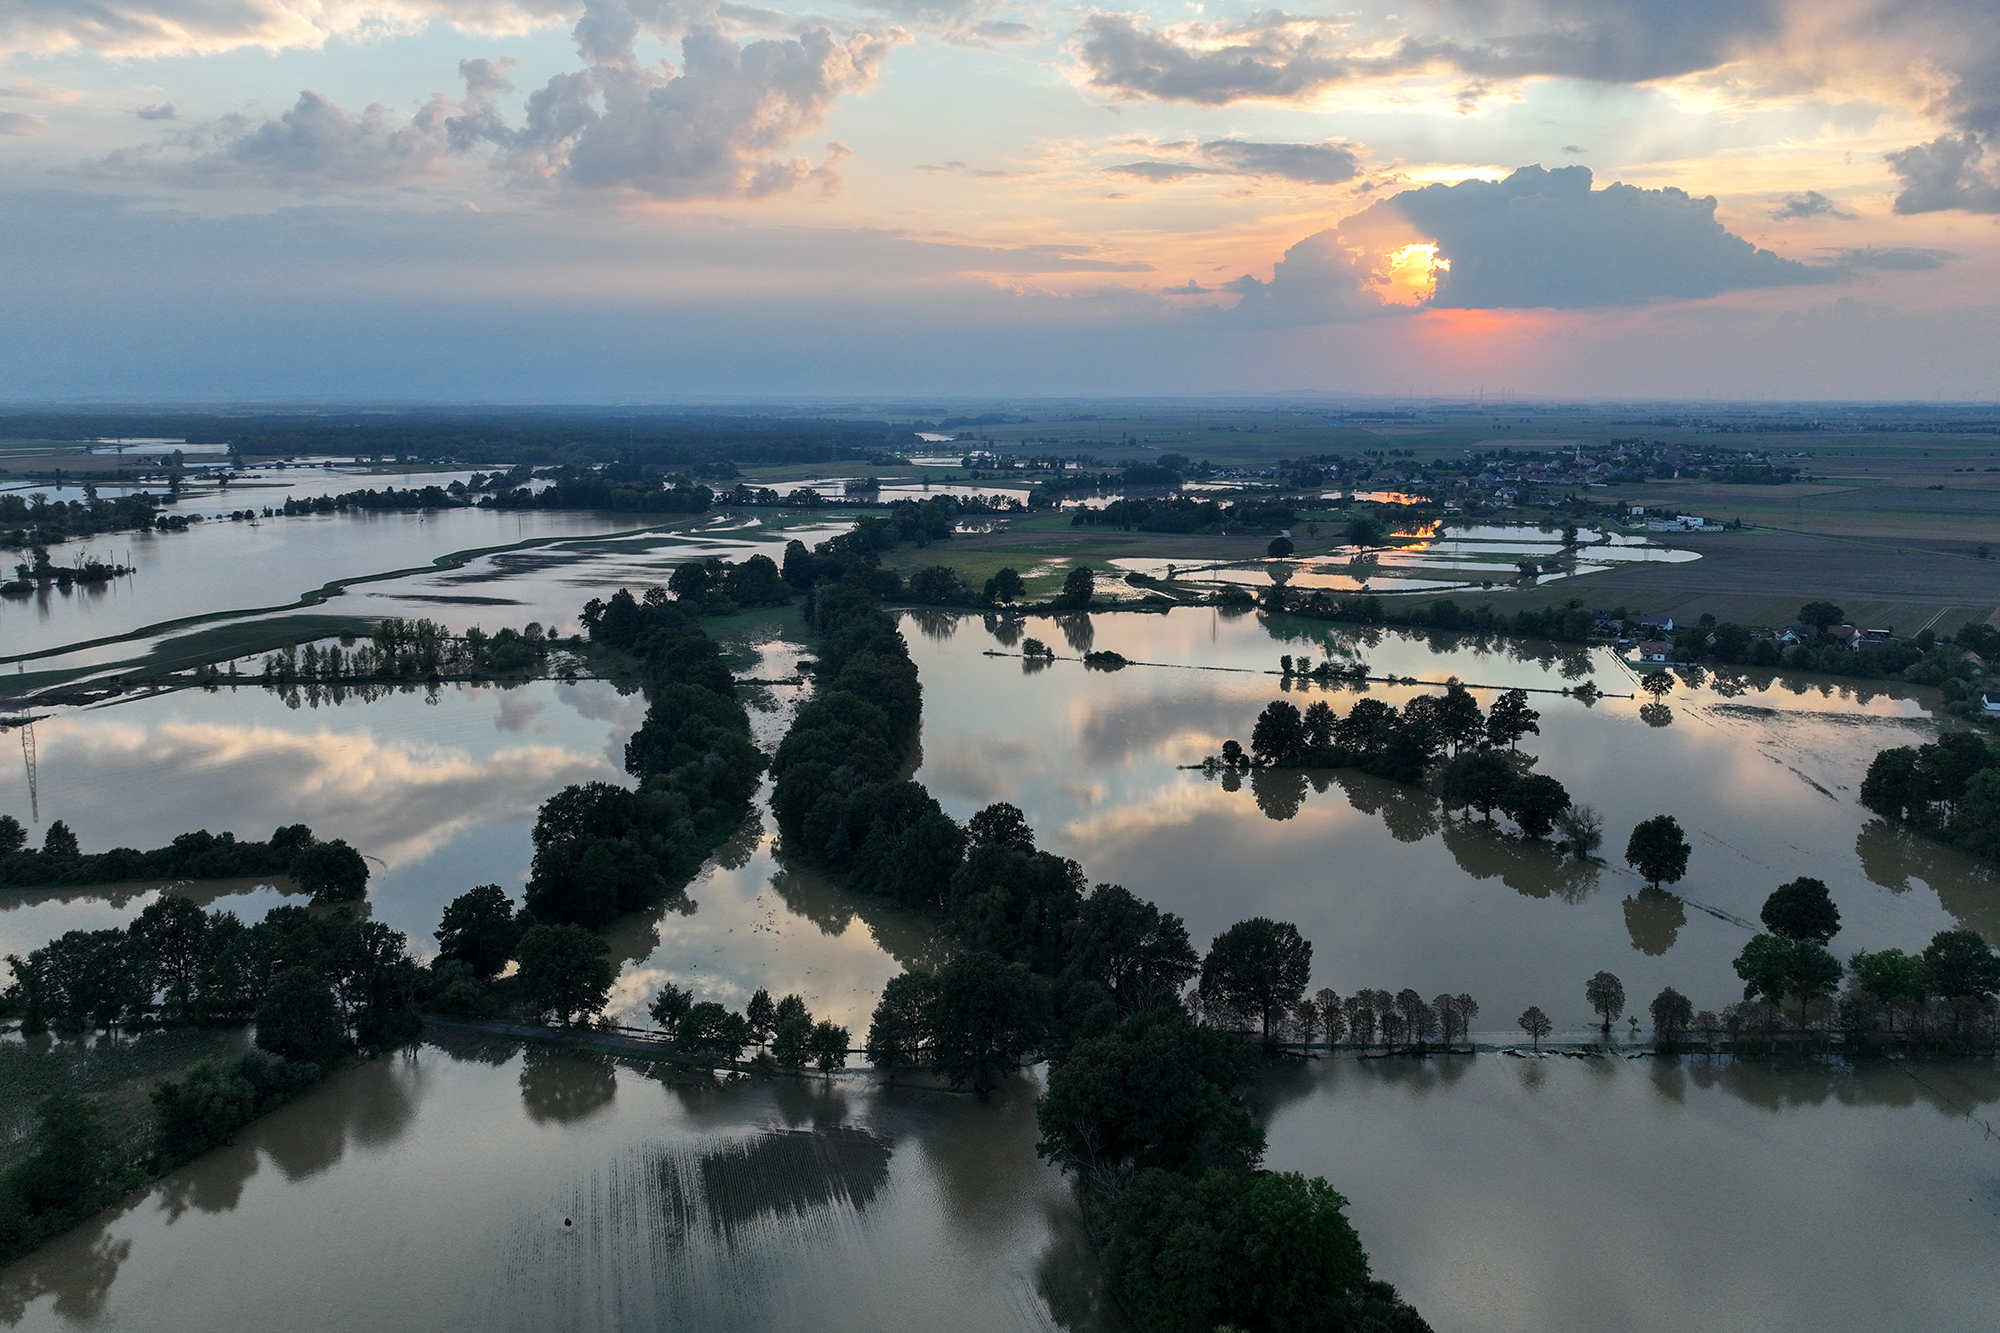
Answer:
[(1409, 274)]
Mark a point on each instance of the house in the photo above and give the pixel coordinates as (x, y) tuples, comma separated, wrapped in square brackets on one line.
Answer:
[(1798, 633), (1875, 638), (1973, 660), (1990, 701), (1846, 636), (1663, 624), (1654, 650)]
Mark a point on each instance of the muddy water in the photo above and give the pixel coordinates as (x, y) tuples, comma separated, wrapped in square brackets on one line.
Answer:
[(1502, 1194), (234, 566), (1391, 891)]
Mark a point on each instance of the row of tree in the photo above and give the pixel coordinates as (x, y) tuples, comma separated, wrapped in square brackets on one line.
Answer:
[(414, 498), (331, 871), (601, 849), (411, 650), (1401, 745), (39, 521)]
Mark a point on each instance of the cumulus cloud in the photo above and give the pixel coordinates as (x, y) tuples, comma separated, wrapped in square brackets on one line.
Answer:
[(1948, 172), (160, 111), (1328, 163), (1810, 204), (1317, 282), (712, 129), (1546, 238), (964, 22), (715, 127), (152, 28)]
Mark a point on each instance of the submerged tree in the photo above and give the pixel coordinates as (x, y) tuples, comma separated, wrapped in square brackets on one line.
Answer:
[(1258, 965), (1658, 850), (1536, 1024), (1802, 910), (1606, 994)]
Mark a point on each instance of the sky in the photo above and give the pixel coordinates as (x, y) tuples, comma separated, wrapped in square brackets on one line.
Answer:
[(681, 200)]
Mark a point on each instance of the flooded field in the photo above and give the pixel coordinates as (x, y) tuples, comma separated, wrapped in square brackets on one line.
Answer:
[(1500, 1193)]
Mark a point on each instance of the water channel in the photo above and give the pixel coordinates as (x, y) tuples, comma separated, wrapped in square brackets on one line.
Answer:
[(431, 1190)]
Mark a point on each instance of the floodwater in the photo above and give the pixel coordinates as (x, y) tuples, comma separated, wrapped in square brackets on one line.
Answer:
[(1501, 1193), (239, 566)]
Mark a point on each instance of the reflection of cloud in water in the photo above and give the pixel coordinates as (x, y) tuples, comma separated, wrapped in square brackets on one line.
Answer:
[(396, 799), (519, 712)]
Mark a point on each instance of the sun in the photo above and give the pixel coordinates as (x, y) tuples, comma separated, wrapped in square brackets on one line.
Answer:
[(1408, 275)]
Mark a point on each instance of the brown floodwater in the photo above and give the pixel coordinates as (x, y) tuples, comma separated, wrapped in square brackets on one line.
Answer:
[(1501, 1193)]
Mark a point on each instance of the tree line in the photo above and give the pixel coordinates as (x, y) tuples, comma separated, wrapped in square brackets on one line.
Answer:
[(330, 870), (40, 521), (411, 650), (317, 986), (1948, 789), (1102, 971)]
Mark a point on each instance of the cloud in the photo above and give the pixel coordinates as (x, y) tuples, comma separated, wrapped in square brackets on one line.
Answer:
[(709, 130), (1317, 282), (1328, 163), (1811, 204), (963, 22), (1271, 56), (1574, 148), (163, 111), (981, 173), (18, 124), (154, 28), (714, 128), (27, 90), (1546, 238), (1188, 288), (1944, 174), (1897, 258)]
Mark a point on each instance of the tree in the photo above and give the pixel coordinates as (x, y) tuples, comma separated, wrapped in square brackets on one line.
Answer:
[(1672, 1012), (332, 872), (1534, 803), (1319, 721), (1774, 968), (1606, 994), (1279, 548), (1658, 850), (798, 566), (1535, 1023), (1078, 588), (1456, 718), (71, 1158), (1510, 718), (791, 1042), (1802, 910), (1890, 975), (1280, 735), (1822, 616), (709, 1029), (1138, 954), (987, 1014), (1362, 532), (672, 1004), (761, 1015), (1657, 683), (828, 1045), (13, 837), (60, 842), (1959, 964), (1259, 965), (1005, 586), (298, 1018), (1582, 830), (1156, 1092), (565, 971), (900, 1028), (479, 929), (1480, 781), (937, 583)]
